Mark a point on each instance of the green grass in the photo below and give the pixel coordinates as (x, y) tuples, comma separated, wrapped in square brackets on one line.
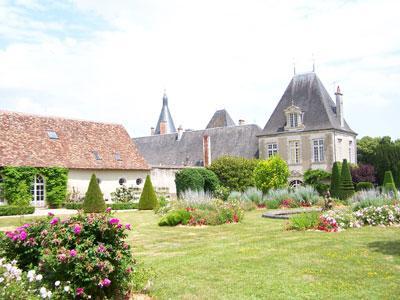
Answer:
[(258, 259)]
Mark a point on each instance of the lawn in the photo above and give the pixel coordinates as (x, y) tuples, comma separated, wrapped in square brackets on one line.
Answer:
[(259, 259)]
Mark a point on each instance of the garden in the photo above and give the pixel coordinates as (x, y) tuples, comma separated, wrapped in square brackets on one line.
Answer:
[(211, 241)]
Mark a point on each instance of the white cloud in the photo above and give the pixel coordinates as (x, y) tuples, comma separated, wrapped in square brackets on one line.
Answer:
[(208, 55)]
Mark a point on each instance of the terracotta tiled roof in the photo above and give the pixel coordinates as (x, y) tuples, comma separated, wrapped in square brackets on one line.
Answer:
[(25, 141)]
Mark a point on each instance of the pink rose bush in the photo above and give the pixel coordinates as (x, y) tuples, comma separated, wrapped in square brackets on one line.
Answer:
[(82, 257)]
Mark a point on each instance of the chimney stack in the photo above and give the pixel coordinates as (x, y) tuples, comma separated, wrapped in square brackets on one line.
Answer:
[(339, 106), (180, 132), (242, 122), (163, 127), (152, 131), (206, 150)]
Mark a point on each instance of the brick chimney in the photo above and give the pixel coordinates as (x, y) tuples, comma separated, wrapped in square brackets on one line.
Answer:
[(152, 131), (163, 127), (206, 150), (339, 106), (180, 133), (242, 122)]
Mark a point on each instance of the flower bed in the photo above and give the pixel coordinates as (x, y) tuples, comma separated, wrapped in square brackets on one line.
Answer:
[(114, 206), (87, 253)]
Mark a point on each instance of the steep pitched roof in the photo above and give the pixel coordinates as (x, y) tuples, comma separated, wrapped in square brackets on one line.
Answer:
[(167, 151), (165, 116), (25, 141), (221, 118), (307, 92)]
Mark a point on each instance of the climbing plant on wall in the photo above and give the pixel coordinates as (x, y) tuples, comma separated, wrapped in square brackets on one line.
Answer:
[(55, 183)]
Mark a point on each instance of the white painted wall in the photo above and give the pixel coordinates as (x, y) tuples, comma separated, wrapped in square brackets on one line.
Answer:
[(109, 179), (164, 178), (342, 145)]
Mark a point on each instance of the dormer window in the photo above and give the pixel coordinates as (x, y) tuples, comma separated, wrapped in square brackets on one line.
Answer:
[(294, 118)]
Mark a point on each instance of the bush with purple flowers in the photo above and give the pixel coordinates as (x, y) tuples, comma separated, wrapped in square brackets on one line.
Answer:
[(87, 251)]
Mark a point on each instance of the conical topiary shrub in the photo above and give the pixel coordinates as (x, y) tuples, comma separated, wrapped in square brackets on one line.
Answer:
[(148, 198), (335, 180), (388, 184), (346, 187), (94, 201)]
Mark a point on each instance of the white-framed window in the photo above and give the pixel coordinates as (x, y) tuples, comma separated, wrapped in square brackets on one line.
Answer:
[(1, 190), (272, 149), (295, 183), (38, 191), (294, 148), (318, 150), (350, 151), (293, 120)]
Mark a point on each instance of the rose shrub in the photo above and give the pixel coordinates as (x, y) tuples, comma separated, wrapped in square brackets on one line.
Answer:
[(88, 251)]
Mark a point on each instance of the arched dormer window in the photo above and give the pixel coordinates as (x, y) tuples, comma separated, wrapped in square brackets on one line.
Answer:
[(294, 118), (38, 191)]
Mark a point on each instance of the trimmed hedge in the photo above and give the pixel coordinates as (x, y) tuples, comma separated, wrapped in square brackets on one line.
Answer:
[(364, 186), (388, 183), (11, 210), (346, 187), (211, 181), (114, 206), (94, 201), (148, 198), (335, 179), (175, 217)]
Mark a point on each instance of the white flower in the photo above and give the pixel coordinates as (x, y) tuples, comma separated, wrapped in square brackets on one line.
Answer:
[(39, 277), (49, 293), (43, 292), (57, 283), (1, 279), (66, 288)]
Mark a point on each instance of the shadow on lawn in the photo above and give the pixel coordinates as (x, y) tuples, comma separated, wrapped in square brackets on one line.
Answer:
[(386, 247)]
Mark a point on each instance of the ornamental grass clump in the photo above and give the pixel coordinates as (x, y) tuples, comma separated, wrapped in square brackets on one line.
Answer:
[(255, 195), (86, 252), (305, 195), (367, 198), (304, 221)]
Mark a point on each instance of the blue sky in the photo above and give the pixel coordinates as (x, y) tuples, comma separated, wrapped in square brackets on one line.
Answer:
[(111, 60)]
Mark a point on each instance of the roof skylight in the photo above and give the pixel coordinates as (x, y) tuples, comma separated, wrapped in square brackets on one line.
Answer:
[(52, 134)]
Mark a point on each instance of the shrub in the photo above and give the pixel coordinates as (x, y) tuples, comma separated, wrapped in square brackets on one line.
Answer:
[(234, 173), (305, 195), (254, 195), (275, 197), (304, 221), (161, 204), (335, 179), (363, 173), (362, 186), (175, 217), (211, 181), (123, 194), (317, 179), (388, 184), (219, 213), (88, 251), (148, 198), (271, 173), (346, 187), (221, 193), (367, 198), (22, 197), (188, 179), (123, 205), (73, 205), (11, 210), (94, 201)]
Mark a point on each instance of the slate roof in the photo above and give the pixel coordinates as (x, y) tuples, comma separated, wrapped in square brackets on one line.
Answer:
[(165, 116), (307, 92), (221, 118), (25, 141), (166, 150)]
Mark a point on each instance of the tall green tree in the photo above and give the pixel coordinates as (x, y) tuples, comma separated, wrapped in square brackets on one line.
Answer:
[(148, 198), (346, 187), (271, 174), (389, 185), (94, 201), (335, 179)]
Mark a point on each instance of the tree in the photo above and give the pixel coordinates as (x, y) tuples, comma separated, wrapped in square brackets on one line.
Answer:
[(346, 187), (94, 201), (335, 179), (271, 174), (366, 149), (211, 181), (234, 173), (363, 173), (317, 179), (148, 198), (387, 158)]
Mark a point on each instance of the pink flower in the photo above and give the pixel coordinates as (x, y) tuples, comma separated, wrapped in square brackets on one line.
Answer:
[(73, 253), (114, 221), (23, 235), (79, 291), (105, 282), (62, 257), (54, 221), (50, 214), (119, 226), (108, 210), (128, 226), (77, 229)]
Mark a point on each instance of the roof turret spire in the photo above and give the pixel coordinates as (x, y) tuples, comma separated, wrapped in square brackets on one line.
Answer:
[(165, 123)]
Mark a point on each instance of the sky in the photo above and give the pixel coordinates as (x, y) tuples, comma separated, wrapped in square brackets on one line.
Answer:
[(112, 60)]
